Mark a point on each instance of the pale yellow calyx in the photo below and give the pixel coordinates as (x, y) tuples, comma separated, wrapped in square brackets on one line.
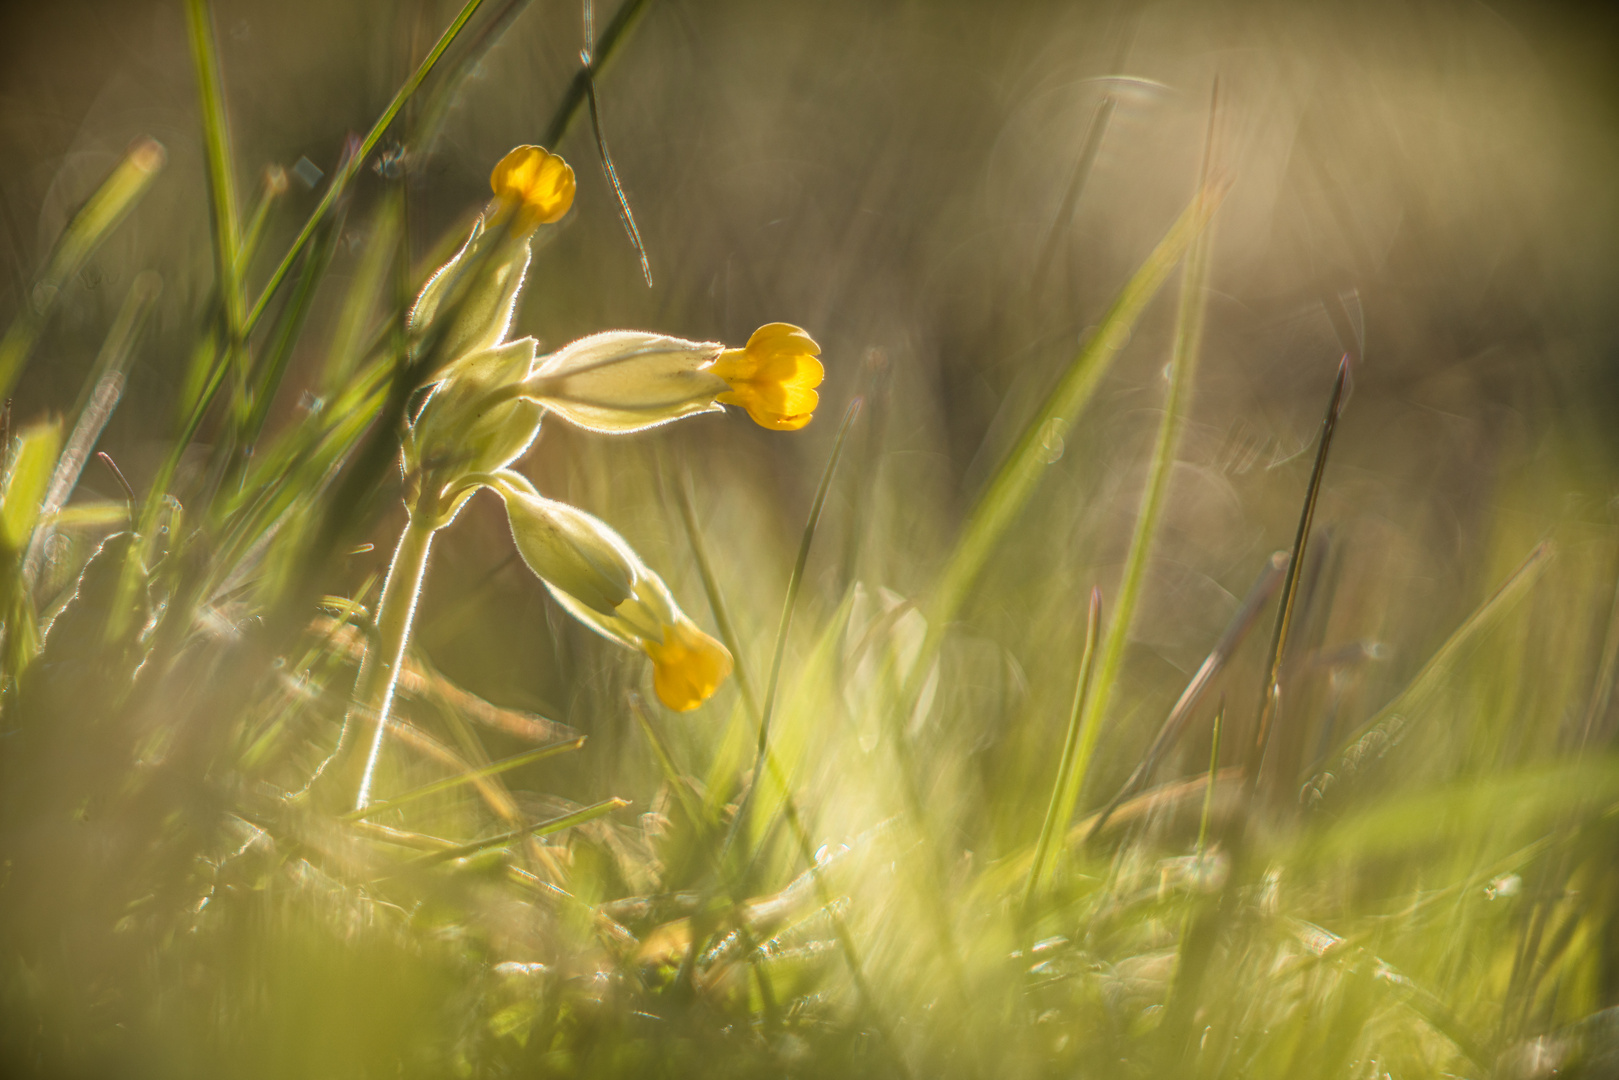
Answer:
[(537, 184), (623, 381), (687, 666), (773, 377)]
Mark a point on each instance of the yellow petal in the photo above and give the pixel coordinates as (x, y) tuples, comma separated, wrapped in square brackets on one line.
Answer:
[(688, 666), (537, 183), (774, 377)]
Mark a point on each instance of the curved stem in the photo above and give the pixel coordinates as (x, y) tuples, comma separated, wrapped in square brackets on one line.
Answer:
[(379, 672)]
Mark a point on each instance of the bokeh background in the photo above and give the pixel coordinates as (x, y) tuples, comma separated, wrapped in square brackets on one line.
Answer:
[(1427, 186), (891, 177)]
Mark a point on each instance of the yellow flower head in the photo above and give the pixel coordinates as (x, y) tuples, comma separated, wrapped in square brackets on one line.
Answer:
[(687, 666), (774, 377), (536, 183)]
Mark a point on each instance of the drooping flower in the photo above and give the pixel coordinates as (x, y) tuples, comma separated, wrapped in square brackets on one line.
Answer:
[(535, 184), (774, 377), (626, 380), (597, 577)]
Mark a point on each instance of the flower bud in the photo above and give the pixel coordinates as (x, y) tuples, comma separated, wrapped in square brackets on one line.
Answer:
[(597, 578), (482, 314), (774, 377), (471, 423), (535, 184), (570, 550)]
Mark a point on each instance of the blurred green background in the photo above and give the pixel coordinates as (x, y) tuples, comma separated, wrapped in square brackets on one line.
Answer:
[(1429, 186)]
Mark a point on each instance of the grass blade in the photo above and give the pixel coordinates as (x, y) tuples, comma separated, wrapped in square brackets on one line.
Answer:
[(543, 828), (1175, 723), (1013, 485), (1423, 685), (356, 161), (1290, 587), (1183, 368), (607, 46), (102, 391), (221, 176), (116, 196), (452, 782), (1061, 807)]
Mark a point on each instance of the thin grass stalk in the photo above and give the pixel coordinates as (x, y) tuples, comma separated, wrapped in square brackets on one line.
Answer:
[(101, 213), (716, 596), (356, 161), (1015, 482), (796, 580), (740, 820), (221, 191), (1208, 792), (1056, 818), (1175, 724), (102, 391), (449, 783), (543, 828), (1183, 367), (1270, 699), (1081, 173), (607, 46), (1415, 694), (379, 672)]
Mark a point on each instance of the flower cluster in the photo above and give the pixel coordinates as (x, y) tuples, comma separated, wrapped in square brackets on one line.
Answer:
[(490, 397)]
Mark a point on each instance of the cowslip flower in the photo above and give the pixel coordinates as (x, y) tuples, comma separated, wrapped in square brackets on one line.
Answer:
[(598, 578), (535, 185), (627, 380)]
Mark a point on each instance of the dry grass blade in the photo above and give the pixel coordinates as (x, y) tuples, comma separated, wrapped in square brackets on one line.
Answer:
[(542, 828), (1174, 726), (1290, 587), (449, 783)]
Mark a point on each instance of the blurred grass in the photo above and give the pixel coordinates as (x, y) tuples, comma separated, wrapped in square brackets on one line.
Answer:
[(868, 862)]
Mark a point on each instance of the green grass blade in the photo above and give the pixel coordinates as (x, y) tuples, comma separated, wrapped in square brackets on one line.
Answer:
[(716, 596), (100, 396), (1182, 369), (221, 175), (449, 783), (796, 580), (1015, 482), (543, 828), (1208, 791), (116, 196), (1061, 807), (1180, 714), (356, 161), (1417, 694)]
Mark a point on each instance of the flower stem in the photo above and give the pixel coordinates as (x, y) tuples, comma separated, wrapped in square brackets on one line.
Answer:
[(379, 672)]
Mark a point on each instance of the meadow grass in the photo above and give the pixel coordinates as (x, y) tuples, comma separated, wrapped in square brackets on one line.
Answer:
[(887, 846)]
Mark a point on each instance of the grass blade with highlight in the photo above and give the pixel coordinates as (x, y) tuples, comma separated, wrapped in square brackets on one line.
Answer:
[(1423, 685), (1183, 367), (543, 828), (356, 161), (1014, 483), (451, 782), (116, 196), (1290, 587), (1061, 807)]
